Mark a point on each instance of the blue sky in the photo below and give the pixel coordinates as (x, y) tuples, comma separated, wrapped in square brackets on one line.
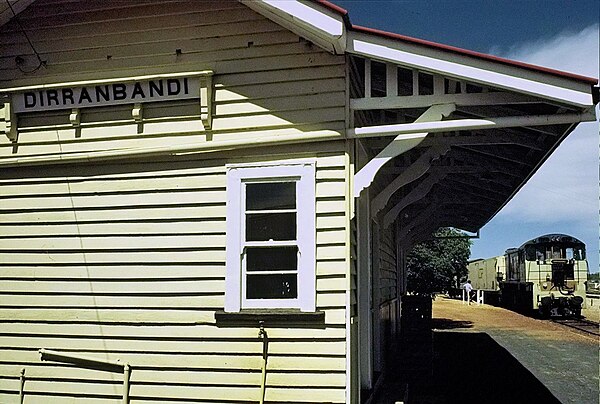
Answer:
[(562, 197)]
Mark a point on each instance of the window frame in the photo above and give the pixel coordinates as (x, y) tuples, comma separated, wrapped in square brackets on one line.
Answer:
[(303, 174)]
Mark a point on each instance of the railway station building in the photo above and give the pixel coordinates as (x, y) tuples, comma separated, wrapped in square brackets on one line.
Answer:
[(212, 201)]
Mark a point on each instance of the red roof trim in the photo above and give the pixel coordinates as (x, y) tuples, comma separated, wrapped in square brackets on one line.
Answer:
[(479, 55), (343, 12), (333, 7)]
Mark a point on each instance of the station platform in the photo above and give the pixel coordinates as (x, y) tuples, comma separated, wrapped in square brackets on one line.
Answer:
[(486, 354)]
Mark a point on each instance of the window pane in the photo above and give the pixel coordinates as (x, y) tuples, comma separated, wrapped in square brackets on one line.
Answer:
[(270, 226), (282, 286), (271, 195), (272, 259)]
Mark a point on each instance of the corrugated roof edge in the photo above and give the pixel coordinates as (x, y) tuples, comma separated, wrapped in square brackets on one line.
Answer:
[(392, 35)]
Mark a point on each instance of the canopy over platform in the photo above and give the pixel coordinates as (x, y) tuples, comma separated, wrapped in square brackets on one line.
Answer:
[(453, 134)]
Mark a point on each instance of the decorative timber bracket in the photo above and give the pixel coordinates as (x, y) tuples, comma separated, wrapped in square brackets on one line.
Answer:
[(10, 122), (401, 144)]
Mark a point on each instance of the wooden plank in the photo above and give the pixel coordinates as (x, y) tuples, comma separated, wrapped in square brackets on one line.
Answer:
[(129, 316), (165, 332), (335, 316), (114, 242), (109, 171), (330, 175), (327, 237), (178, 38), (280, 101), (337, 284), (140, 273), (79, 57), (192, 139), (116, 184), (167, 392), (120, 287), (146, 26), (104, 200), (214, 361), (44, 399), (230, 81), (332, 299), (121, 10), (46, 370), (210, 225), (330, 189), (124, 301), (331, 252), (332, 267), (124, 67), (313, 87), (182, 212), (209, 256), (331, 206), (330, 222), (92, 347)]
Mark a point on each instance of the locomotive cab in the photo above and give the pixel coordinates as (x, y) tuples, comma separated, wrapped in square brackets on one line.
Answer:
[(549, 272)]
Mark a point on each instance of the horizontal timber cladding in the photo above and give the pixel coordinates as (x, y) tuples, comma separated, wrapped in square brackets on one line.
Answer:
[(127, 261), (388, 277), (267, 81)]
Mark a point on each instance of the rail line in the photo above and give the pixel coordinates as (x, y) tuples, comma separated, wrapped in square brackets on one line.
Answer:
[(587, 326)]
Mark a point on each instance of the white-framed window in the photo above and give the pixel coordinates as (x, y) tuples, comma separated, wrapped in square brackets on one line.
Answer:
[(270, 236)]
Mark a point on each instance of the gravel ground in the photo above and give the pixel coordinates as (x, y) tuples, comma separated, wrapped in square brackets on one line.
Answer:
[(564, 360)]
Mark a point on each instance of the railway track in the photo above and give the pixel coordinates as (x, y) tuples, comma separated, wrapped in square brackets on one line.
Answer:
[(586, 326)]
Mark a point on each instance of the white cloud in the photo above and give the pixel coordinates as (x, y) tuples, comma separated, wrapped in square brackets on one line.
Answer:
[(565, 188), (575, 52)]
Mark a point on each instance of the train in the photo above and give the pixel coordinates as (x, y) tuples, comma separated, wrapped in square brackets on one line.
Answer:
[(547, 274)]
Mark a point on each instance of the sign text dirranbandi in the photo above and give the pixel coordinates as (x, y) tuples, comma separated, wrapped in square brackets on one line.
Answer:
[(162, 89)]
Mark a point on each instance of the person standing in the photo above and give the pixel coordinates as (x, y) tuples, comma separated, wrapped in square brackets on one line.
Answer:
[(468, 290)]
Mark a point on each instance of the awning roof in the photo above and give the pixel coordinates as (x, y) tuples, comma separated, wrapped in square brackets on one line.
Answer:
[(497, 120), (344, 13)]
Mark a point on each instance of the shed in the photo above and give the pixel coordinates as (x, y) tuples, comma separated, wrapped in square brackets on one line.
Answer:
[(221, 195)]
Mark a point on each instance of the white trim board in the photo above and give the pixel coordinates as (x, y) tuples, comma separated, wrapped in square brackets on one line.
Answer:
[(358, 45)]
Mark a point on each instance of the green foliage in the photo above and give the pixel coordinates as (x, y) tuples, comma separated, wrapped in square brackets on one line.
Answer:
[(439, 264)]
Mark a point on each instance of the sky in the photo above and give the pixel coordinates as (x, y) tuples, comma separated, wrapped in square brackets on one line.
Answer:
[(563, 195)]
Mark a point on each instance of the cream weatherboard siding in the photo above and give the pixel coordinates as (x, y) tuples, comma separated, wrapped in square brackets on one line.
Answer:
[(268, 82), (139, 278), (126, 259)]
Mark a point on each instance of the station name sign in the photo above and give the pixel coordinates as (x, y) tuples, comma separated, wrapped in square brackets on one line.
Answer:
[(114, 93)]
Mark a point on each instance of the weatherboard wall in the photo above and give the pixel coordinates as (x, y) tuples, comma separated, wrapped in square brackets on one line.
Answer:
[(267, 81), (126, 259)]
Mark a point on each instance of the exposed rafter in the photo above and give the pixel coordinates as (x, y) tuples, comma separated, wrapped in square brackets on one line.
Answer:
[(424, 101), (470, 124)]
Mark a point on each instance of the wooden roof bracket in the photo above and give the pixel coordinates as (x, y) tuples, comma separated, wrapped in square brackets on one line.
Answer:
[(10, 122), (206, 100), (401, 144)]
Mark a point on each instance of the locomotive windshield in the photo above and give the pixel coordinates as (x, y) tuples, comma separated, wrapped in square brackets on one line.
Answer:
[(549, 251)]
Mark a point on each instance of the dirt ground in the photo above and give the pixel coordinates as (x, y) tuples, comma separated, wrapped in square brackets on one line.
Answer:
[(497, 355), (451, 313)]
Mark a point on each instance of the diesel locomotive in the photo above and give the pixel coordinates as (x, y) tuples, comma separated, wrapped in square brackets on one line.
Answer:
[(547, 274)]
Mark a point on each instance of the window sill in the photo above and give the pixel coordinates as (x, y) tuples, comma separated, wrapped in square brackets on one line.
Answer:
[(282, 318)]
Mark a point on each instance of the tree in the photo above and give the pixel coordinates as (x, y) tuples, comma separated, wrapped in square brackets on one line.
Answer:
[(438, 264)]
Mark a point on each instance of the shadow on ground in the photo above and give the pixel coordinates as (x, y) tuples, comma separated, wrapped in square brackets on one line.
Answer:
[(444, 367), (447, 324)]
